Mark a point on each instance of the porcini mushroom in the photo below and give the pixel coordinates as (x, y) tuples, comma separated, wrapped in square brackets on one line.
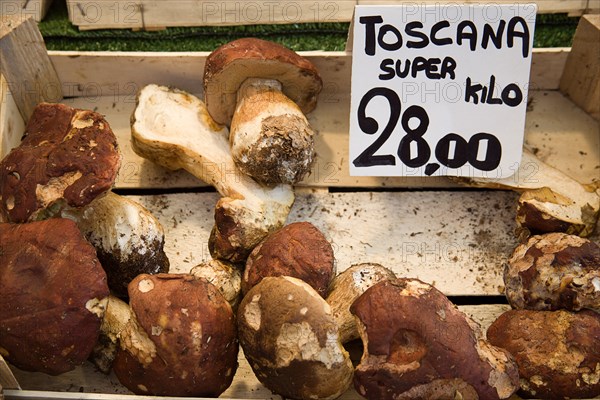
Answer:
[(554, 271), (415, 338), (347, 287), (173, 129), (128, 239), (299, 250), (224, 276), (190, 335), (67, 158), (558, 352), (54, 294), (290, 339), (263, 90), (551, 201)]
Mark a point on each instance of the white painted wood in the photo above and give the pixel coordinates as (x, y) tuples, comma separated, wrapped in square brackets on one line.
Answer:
[(25, 64), (36, 9), (150, 14), (7, 379), (572, 7), (244, 386), (122, 74), (456, 240), (144, 14)]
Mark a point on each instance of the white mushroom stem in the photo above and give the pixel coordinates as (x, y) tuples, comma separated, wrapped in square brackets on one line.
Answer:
[(346, 288), (173, 129), (120, 329), (120, 325), (224, 276), (271, 139), (554, 197)]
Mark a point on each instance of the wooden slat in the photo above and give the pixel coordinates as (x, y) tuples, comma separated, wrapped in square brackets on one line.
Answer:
[(457, 240), (144, 14), (7, 379), (36, 9), (11, 122), (547, 66), (25, 64), (581, 77), (245, 385), (150, 14), (572, 7), (92, 74)]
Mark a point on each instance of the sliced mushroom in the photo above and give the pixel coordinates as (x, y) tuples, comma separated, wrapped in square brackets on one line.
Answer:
[(414, 336), (182, 341), (347, 287), (554, 271), (129, 240), (173, 129), (223, 276), (290, 339), (299, 250), (263, 90), (67, 158), (54, 294), (551, 200), (558, 352)]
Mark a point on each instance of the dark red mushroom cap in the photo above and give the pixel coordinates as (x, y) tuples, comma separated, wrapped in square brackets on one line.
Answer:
[(231, 64), (558, 352), (299, 250), (193, 330), (68, 156), (414, 336), (53, 295)]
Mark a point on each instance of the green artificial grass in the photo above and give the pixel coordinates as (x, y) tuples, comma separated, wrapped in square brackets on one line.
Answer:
[(60, 34)]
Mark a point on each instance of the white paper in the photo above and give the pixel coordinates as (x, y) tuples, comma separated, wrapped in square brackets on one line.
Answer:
[(440, 88)]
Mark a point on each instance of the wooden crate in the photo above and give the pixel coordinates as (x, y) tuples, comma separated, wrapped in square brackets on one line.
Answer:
[(153, 14), (36, 9), (456, 239)]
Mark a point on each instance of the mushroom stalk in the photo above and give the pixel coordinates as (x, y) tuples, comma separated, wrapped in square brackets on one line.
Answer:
[(271, 139), (120, 328), (551, 201), (173, 129), (244, 85), (346, 288)]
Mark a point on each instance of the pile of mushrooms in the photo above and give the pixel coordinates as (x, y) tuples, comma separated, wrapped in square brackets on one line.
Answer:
[(295, 317), (67, 242), (66, 239), (261, 90), (553, 284)]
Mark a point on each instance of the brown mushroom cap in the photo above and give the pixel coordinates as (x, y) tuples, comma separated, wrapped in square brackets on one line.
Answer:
[(193, 329), (558, 352), (67, 156), (299, 250), (291, 340), (413, 335), (554, 271), (231, 64), (53, 297)]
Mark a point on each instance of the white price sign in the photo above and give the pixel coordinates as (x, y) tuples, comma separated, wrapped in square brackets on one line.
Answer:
[(440, 90)]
